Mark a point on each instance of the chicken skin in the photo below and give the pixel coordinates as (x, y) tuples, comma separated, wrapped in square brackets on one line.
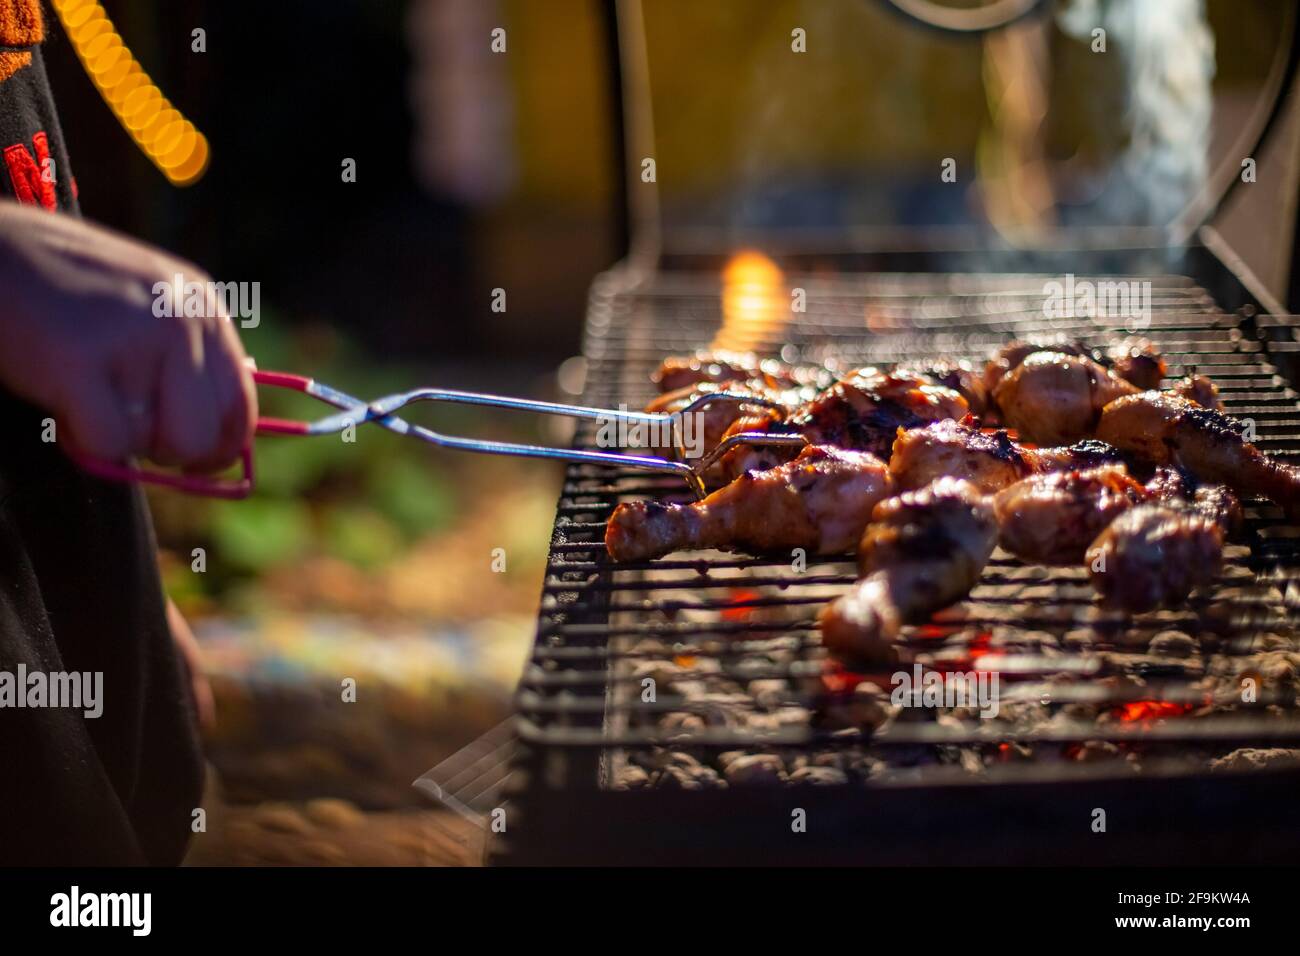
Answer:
[(958, 376), (1053, 518), (1153, 556), (678, 372), (922, 551), (989, 460), (1055, 399), (1168, 429), (1134, 359), (861, 412), (820, 501)]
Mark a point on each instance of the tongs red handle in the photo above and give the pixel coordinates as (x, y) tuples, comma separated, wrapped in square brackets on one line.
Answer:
[(206, 485)]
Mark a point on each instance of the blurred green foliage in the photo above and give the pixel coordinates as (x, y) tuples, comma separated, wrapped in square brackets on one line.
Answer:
[(362, 502)]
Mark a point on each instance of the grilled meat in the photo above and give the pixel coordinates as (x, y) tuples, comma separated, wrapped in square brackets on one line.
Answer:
[(989, 460), (717, 417), (820, 501), (678, 372), (1054, 399), (861, 412), (1174, 489), (1167, 429), (1153, 556), (922, 551), (958, 376), (1134, 359), (1052, 518), (1200, 390)]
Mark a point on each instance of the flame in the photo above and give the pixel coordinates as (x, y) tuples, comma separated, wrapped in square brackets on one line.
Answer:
[(755, 305)]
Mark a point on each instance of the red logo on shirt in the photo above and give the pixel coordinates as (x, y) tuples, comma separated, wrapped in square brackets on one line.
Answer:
[(33, 177)]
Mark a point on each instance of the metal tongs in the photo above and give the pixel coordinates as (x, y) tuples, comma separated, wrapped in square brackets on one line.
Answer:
[(355, 412)]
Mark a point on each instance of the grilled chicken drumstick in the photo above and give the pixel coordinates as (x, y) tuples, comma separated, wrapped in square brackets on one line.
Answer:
[(1053, 399), (1167, 429), (922, 551), (820, 501), (989, 460), (1053, 518), (1154, 555), (862, 412), (1136, 360)]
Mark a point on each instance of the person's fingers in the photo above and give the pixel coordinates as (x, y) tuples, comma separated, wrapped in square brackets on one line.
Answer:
[(91, 416), (187, 421), (226, 374)]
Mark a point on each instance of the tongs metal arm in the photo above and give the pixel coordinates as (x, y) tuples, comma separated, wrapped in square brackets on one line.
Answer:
[(382, 412)]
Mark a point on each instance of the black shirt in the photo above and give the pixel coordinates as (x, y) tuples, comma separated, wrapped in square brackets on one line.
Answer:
[(79, 589)]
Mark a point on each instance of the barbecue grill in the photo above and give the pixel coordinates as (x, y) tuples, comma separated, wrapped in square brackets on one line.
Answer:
[(683, 710)]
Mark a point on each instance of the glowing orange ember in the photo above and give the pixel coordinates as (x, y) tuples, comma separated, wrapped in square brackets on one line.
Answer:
[(738, 611), (1150, 710)]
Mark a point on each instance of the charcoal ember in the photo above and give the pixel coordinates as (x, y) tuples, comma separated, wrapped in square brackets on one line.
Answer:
[(1024, 714), (769, 694), (1097, 751), (686, 778), (724, 710), (631, 777), (1079, 639), (1024, 642), (651, 647), (756, 770), (1248, 758), (819, 776), (835, 759), (726, 758), (868, 708), (664, 673), (971, 761), (1276, 642), (787, 717), (1173, 644), (682, 722)]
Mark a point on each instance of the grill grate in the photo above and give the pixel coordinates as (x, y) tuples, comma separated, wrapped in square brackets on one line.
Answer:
[(731, 640)]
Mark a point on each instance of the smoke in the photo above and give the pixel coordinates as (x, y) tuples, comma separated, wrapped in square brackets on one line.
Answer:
[(1167, 53)]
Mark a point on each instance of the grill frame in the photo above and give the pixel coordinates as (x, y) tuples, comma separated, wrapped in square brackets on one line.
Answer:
[(562, 811)]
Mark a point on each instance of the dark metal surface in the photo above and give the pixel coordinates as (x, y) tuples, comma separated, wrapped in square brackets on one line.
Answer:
[(578, 714)]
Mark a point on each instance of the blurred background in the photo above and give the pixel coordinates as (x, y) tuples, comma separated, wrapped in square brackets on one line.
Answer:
[(479, 171)]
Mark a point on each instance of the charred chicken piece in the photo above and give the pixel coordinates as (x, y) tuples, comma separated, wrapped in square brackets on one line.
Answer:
[(1153, 556), (1200, 390), (922, 551), (958, 376), (820, 501), (1167, 429), (861, 412), (1134, 359), (678, 372), (1174, 489), (1051, 519), (1054, 399), (989, 460)]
